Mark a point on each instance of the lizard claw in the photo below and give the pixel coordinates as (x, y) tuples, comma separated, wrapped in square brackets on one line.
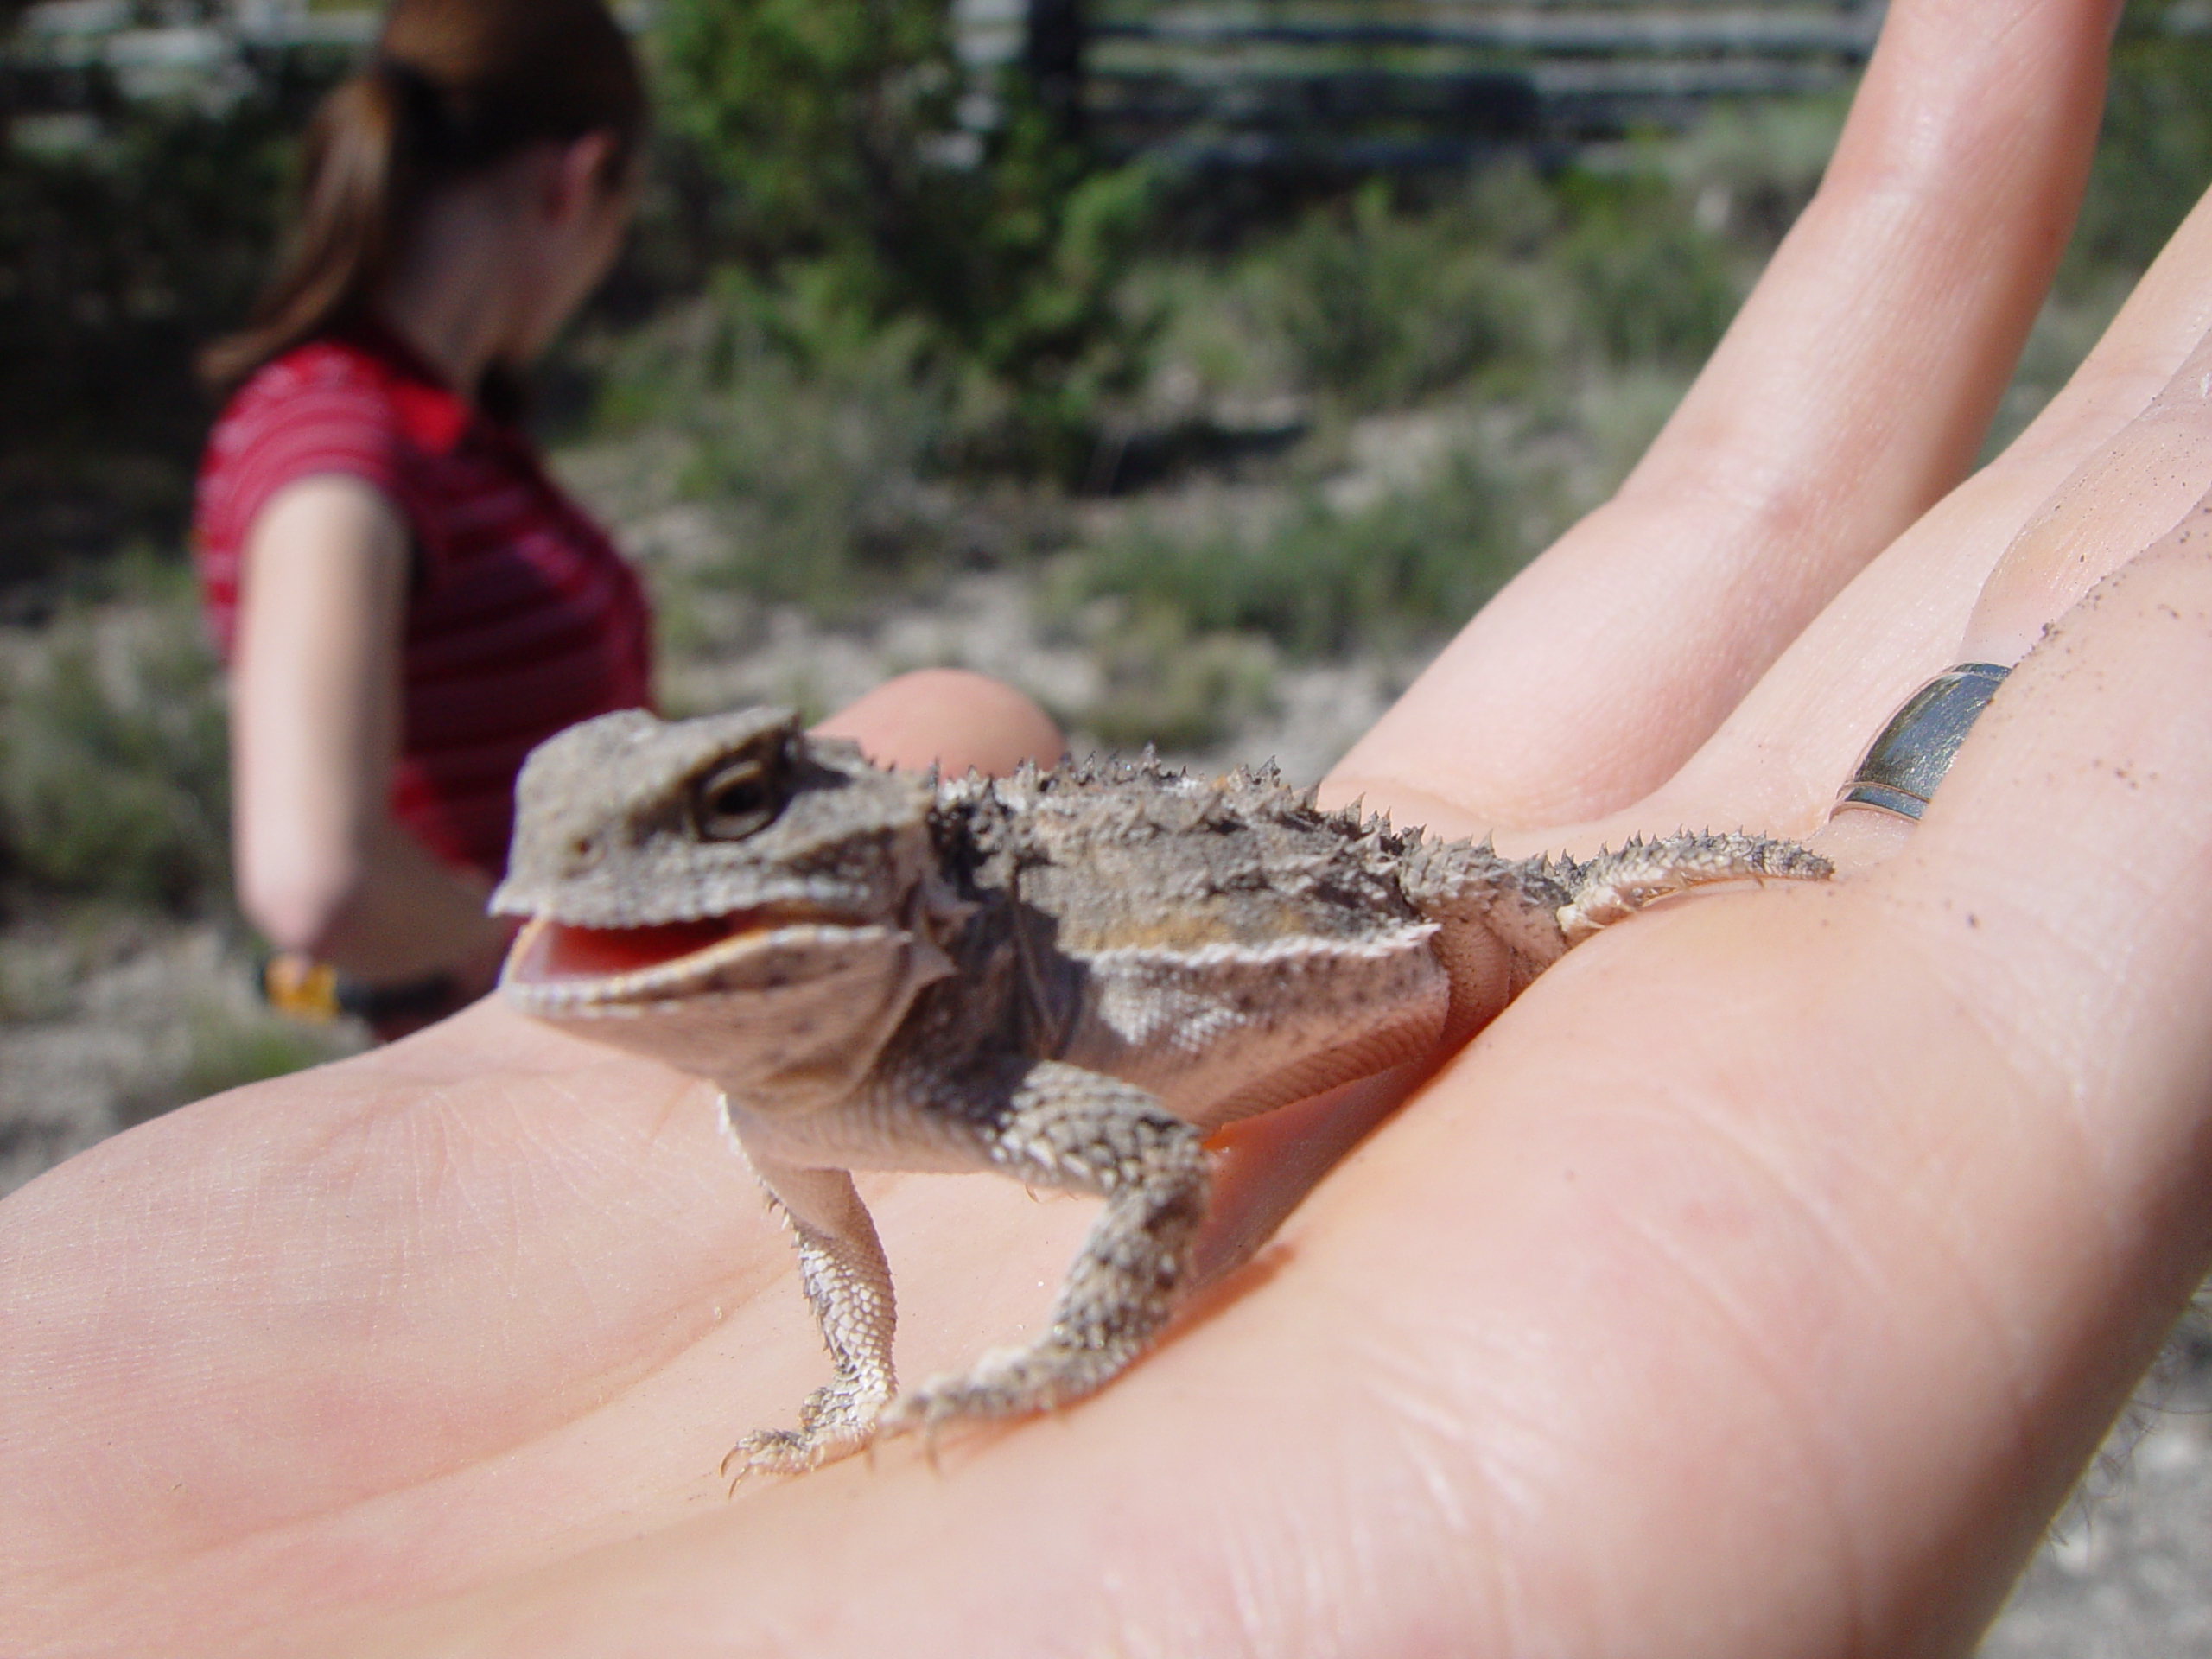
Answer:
[(834, 1423), (773, 1451), (792, 1452)]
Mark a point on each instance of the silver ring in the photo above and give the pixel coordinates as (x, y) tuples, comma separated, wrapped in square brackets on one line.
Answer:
[(1900, 770)]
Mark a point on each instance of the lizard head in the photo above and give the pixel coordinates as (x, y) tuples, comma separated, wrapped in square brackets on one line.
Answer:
[(688, 879)]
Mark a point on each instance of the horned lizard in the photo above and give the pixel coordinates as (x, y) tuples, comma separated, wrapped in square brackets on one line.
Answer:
[(1072, 976)]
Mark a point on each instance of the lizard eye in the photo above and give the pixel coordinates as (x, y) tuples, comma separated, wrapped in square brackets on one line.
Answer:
[(741, 796)]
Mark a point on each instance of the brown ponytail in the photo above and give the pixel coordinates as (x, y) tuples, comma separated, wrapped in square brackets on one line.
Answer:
[(453, 86)]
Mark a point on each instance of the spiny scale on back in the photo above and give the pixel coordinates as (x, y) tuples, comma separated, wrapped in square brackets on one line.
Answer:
[(1135, 853), (1072, 975)]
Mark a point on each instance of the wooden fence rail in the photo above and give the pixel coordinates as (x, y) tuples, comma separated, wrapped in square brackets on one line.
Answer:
[(1402, 82), (1348, 82)]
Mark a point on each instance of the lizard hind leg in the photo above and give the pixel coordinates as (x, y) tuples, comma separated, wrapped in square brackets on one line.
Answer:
[(1063, 1126), (848, 1283), (1614, 886)]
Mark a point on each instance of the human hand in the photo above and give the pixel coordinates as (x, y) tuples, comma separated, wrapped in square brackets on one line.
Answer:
[(1754, 1285)]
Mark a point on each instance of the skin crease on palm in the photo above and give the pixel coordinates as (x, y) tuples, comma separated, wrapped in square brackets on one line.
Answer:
[(1755, 1285)]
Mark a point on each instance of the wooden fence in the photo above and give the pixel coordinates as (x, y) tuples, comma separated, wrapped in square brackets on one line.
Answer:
[(1351, 83), (1394, 83)]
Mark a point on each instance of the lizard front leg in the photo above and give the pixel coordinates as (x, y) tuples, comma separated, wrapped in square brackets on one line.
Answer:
[(1060, 1126), (848, 1284)]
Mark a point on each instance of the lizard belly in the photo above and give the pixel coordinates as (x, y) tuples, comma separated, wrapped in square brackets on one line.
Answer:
[(1220, 1031)]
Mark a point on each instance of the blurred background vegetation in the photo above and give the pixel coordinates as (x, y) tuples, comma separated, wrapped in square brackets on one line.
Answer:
[(1216, 426)]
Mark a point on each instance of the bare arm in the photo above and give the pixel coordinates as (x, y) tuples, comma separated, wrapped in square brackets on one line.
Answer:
[(314, 732)]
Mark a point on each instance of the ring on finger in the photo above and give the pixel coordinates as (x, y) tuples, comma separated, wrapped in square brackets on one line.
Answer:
[(1900, 770)]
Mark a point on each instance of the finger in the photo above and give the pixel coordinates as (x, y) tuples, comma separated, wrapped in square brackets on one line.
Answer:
[(951, 718), (2066, 858), (2112, 462), (2130, 491), (2000, 1185), (1924, 1179), (1853, 390), (2058, 890)]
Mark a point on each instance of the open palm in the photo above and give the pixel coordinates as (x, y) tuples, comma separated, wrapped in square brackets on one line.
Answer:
[(1755, 1284)]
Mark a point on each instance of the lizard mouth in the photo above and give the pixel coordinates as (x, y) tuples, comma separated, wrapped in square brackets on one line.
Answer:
[(554, 965), (546, 951)]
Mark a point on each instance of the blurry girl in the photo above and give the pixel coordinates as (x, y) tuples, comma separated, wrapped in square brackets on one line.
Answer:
[(407, 602)]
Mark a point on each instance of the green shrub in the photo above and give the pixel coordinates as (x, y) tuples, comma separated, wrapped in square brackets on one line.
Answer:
[(1168, 685), (117, 260), (1650, 285), (813, 114), (119, 257), (1751, 167), (819, 465), (1045, 317), (1383, 308), (2154, 155), (227, 1047), (113, 777), (1323, 581), (822, 128)]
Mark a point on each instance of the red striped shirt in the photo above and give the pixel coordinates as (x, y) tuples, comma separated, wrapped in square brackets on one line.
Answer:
[(522, 619)]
